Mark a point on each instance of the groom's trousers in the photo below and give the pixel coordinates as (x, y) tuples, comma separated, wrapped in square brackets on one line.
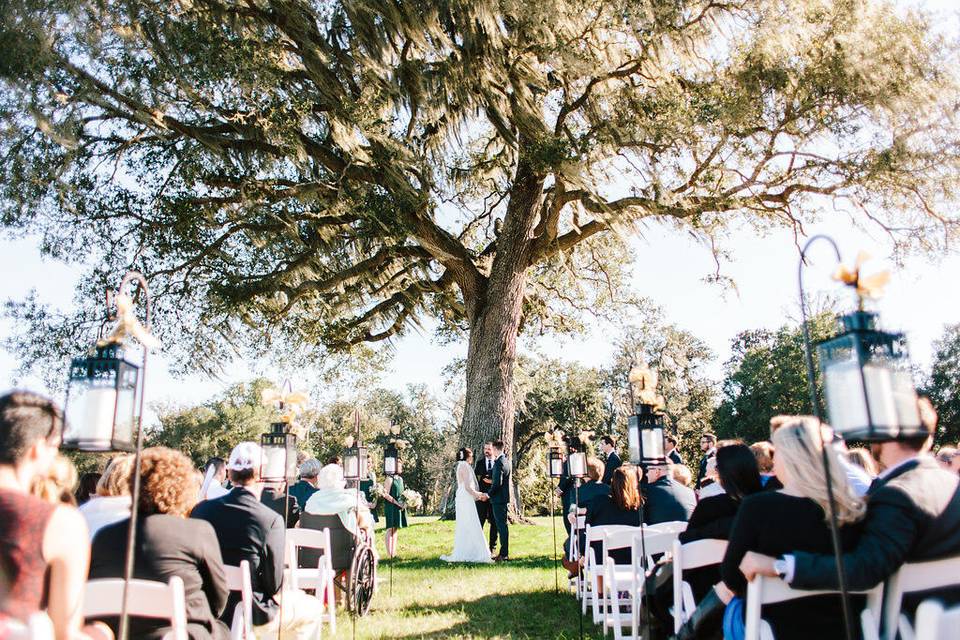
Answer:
[(485, 511), (500, 519)]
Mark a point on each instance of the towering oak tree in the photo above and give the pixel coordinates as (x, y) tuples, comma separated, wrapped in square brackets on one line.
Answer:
[(324, 173)]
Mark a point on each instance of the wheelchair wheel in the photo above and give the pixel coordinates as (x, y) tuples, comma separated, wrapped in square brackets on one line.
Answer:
[(363, 581)]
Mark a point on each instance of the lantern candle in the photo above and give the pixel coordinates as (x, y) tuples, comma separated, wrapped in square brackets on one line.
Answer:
[(556, 467), (95, 425), (390, 466)]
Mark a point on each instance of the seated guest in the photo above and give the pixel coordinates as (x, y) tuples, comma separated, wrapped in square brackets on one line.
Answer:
[(249, 530), (620, 506), (305, 487), (42, 545), (86, 488), (763, 451), (272, 495), (738, 473), (913, 515), (59, 483), (588, 492), (112, 500), (860, 457), (215, 473), (333, 498), (666, 500), (682, 474), (794, 517), (168, 544)]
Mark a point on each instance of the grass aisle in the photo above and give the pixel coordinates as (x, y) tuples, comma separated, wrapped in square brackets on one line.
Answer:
[(433, 599)]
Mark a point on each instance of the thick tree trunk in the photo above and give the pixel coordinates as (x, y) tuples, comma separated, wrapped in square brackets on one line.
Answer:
[(495, 321)]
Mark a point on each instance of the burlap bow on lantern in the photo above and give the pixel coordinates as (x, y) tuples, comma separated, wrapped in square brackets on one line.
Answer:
[(129, 325)]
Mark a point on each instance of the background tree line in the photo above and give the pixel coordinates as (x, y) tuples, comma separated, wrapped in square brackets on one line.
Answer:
[(764, 376)]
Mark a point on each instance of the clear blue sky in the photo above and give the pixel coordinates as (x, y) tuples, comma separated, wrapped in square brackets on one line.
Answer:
[(670, 267)]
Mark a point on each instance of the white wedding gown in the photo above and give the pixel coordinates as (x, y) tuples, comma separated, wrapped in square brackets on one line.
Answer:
[(469, 544)]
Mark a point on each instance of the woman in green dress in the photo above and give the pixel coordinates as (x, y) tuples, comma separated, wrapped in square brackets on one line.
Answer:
[(394, 513)]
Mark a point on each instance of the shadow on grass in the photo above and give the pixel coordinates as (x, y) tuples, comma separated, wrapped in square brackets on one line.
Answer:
[(525, 562), (532, 614)]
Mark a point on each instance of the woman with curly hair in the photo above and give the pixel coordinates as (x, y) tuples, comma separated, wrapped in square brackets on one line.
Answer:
[(168, 544)]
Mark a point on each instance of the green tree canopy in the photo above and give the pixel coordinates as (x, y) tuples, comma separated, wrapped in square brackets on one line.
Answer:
[(943, 384), (316, 174), (766, 376)]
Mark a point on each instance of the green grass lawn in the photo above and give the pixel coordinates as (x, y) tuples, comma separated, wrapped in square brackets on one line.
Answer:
[(434, 599)]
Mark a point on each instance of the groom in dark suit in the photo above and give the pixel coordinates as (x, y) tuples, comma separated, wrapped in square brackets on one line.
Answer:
[(484, 472), (499, 492)]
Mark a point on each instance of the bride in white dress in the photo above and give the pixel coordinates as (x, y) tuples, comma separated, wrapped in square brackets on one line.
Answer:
[(469, 544)]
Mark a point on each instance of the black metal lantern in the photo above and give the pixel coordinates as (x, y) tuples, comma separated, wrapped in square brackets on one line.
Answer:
[(555, 462), (645, 436), (279, 460), (355, 462), (103, 401), (867, 382), (391, 460)]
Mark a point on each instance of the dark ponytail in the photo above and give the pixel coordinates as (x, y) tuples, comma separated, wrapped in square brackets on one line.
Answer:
[(463, 454)]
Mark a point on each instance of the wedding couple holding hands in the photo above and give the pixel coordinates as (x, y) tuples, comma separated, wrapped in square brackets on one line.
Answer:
[(469, 544)]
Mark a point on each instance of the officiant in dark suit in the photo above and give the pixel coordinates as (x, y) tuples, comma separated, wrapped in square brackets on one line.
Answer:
[(484, 472), (609, 447), (499, 492)]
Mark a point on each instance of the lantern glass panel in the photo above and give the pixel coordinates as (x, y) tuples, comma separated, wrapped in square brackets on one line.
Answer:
[(577, 463), (556, 463), (102, 406), (279, 462), (867, 382), (633, 438), (651, 440), (391, 461), (355, 463)]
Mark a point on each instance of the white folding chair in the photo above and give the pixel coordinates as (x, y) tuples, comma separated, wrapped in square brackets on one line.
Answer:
[(146, 599), (593, 567), (933, 623), (914, 577), (238, 579), (693, 555), (608, 604), (764, 590), (319, 578), (573, 553)]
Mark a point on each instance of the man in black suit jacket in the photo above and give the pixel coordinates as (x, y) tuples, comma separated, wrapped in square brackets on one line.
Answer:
[(708, 444), (483, 469), (672, 454), (499, 492), (272, 496), (913, 514), (249, 530), (666, 500), (609, 446)]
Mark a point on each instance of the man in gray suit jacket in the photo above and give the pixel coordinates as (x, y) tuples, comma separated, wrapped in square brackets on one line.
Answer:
[(499, 492)]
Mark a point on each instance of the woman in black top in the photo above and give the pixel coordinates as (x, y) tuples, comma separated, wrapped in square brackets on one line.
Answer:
[(620, 506), (778, 522), (168, 544), (713, 517)]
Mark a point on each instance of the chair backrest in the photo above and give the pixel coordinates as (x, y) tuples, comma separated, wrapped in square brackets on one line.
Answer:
[(693, 555), (238, 579), (651, 542), (146, 599), (933, 623), (340, 545), (677, 526), (765, 590), (914, 577)]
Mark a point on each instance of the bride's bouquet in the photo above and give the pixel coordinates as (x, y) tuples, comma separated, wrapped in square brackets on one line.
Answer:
[(410, 499)]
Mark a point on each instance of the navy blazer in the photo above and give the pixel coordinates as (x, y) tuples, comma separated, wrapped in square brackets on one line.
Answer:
[(667, 501), (613, 462), (248, 530), (499, 490)]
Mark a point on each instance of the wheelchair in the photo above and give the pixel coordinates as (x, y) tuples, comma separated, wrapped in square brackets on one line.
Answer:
[(353, 560)]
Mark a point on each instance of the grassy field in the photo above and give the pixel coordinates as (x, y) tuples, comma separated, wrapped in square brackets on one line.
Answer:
[(433, 599)]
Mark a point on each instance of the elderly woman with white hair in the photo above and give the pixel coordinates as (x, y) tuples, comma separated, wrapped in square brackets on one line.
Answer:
[(343, 511), (333, 498)]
